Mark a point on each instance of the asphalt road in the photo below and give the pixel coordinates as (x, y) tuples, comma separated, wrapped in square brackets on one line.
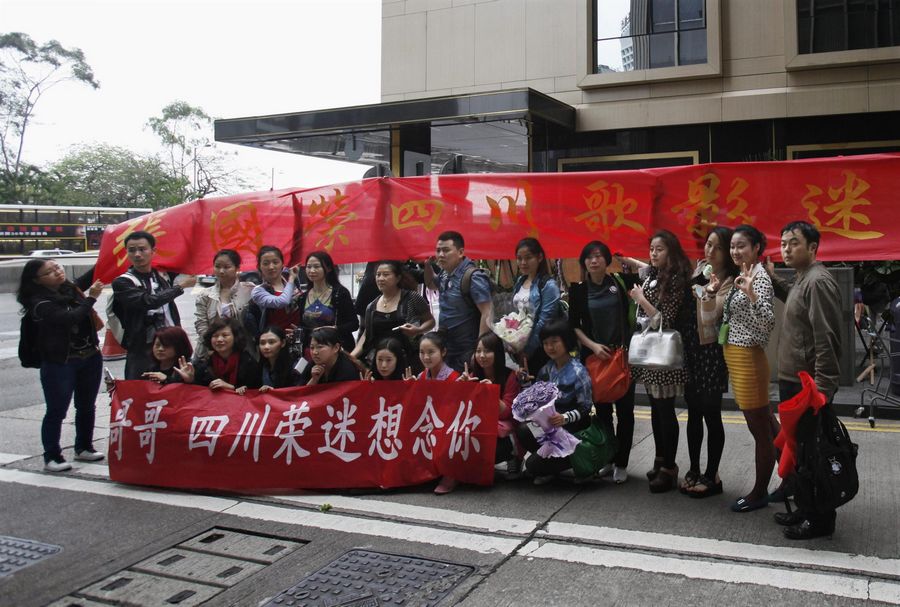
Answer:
[(517, 544)]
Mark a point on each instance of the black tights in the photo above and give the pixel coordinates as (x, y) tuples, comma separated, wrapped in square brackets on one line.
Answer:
[(705, 407), (664, 422), (763, 426)]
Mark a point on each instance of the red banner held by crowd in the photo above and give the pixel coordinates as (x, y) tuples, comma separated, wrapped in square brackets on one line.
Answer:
[(852, 200), (188, 235), (343, 435)]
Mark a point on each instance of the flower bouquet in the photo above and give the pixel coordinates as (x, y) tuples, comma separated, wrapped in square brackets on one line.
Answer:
[(536, 405), (514, 329)]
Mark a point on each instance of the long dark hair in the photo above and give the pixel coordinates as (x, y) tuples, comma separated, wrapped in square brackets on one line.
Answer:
[(490, 341), (395, 347), (281, 370), (28, 287), (724, 235), (534, 247), (331, 270), (676, 274)]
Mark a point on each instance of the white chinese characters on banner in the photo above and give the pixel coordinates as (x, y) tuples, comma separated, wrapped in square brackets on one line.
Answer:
[(247, 432), (461, 431), (426, 425), (117, 428), (205, 432), (288, 431), (147, 430), (337, 444), (386, 430)]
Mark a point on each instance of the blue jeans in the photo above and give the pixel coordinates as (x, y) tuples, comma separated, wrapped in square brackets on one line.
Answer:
[(60, 381)]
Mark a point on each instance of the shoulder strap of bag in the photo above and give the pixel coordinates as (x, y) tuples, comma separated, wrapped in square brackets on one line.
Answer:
[(465, 285), (726, 311)]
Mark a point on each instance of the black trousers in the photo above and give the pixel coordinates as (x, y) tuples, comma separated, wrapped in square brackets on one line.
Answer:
[(786, 391), (624, 427), (546, 466), (138, 361)]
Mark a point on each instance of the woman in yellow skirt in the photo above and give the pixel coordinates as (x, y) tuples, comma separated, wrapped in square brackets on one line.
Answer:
[(749, 318)]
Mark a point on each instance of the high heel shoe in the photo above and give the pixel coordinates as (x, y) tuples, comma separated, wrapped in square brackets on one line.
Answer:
[(651, 474), (665, 480), (710, 488)]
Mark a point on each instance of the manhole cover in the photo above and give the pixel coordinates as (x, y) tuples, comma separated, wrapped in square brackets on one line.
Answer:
[(365, 578), (16, 553)]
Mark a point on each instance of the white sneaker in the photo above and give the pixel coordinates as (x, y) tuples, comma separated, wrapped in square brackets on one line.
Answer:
[(620, 475), (88, 456), (57, 465), (605, 470)]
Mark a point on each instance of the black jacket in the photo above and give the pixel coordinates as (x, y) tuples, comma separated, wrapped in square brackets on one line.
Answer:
[(132, 302), (580, 316), (343, 370), (55, 314), (248, 373)]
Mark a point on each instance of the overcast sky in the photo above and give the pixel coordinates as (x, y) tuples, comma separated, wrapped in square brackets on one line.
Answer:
[(232, 58)]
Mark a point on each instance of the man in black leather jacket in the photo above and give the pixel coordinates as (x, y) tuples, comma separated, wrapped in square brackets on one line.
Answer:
[(144, 301)]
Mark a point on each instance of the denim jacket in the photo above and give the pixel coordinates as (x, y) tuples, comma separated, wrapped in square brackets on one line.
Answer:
[(545, 302)]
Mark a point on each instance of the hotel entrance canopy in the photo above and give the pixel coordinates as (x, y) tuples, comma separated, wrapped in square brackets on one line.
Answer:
[(504, 131)]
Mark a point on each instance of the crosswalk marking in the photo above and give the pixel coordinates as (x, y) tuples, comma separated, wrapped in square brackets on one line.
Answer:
[(830, 573)]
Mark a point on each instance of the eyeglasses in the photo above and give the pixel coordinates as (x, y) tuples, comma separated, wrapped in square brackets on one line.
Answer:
[(51, 270)]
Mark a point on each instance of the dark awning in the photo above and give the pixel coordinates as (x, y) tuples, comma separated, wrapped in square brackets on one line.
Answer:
[(362, 133)]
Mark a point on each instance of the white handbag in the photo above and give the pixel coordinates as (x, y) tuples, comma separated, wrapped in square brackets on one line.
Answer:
[(656, 349)]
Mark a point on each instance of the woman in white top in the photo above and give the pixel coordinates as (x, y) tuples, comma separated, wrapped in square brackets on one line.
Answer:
[(225, 299)]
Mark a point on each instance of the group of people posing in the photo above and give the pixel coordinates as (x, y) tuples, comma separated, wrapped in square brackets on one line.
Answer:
[(297, 326)]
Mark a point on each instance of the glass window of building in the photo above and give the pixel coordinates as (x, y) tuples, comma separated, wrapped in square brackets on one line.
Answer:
[(842, 25), (635, 35)]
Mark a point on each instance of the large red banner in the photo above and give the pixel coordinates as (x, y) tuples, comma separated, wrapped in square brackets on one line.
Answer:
[(852, 200), (343, 435)]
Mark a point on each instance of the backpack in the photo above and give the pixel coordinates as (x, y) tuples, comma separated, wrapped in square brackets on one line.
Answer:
[(826, 475), (501, 301), (113, 323), (29, 354)]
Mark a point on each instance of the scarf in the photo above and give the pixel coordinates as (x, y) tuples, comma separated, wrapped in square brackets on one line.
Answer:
[(226, 369)]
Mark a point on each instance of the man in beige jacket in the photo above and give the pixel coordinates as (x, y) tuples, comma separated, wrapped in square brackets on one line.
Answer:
[(810, 341)]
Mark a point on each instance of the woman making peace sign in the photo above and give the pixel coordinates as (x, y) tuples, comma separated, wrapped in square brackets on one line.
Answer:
[(750, 318)]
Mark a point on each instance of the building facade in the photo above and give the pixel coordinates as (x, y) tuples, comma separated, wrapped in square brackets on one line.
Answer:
[(571, 85)]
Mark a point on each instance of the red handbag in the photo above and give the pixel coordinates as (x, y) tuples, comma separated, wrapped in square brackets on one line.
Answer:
[(610, 378)]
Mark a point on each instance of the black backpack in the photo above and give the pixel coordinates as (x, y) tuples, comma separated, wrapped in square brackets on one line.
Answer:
[(29, 354), (826, 475)]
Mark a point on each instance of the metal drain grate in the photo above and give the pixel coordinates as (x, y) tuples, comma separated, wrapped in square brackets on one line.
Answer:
[(188, 574), (365, 578), (16, 553)]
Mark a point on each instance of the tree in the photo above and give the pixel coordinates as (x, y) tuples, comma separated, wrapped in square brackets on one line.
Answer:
[(27, 72), (192, 158), (106, 175)]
